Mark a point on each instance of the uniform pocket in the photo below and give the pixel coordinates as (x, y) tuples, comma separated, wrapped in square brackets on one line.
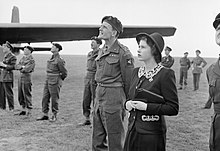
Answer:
[(111, 66)]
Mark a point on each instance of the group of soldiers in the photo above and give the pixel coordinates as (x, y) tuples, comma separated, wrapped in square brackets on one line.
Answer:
[(108, 71), (197, 64), (56, 72)]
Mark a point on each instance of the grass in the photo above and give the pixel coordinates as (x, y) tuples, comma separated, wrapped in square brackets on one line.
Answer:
[(189, 131)]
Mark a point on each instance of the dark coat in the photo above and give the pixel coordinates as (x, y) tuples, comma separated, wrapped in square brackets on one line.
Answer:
[(164, 84)]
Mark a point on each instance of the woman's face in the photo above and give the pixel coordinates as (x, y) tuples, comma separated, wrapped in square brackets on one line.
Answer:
[(144, 51)]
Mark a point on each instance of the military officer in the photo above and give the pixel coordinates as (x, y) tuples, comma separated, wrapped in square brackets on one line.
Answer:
[(2, 94), (26, 66), (114, 68), (90, 84), (7, 77), (213, 76), (167, 61), (184, 67), (197, 64), (56, 73)]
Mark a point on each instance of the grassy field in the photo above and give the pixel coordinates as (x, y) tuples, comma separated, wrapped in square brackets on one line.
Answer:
[(189, 131)]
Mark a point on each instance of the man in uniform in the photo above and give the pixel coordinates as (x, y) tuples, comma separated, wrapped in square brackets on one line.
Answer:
[(184, 67), (167, 61), (114, 68), (197, 64), (7, 77), (26, 66), (56, 73), (2, 93), (90, 84), (213, 76)]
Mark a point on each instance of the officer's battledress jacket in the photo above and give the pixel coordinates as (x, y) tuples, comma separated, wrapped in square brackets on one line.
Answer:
[(185, 63), (91, 64), (213, 76), (29, 64), (56, 66), (115, 65), (167, 61), (196, 64), (7, 73), (160, 80)]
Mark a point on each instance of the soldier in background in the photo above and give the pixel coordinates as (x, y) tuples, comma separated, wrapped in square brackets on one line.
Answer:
[(56, 73), (213, 76), (184, 67), (2, 93), (26, 66), (197, 64), (89, 81), (167, 61), (7, 76)]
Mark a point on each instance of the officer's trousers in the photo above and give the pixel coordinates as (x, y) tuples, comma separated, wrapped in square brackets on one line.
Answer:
[(196, 79), (2, 97), (183, 76), (8, 89), (51, 91), (24, 94), (88, 96), (214, 140), (108, 118)]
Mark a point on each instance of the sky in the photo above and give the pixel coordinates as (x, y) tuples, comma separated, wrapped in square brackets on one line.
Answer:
[(192, 18)]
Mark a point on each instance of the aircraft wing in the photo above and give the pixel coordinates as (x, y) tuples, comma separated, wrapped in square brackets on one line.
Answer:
[(32, 33)]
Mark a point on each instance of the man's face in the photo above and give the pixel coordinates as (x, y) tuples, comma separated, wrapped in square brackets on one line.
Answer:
[(54, 49), (27, 51), (94, 44), (106, 31), (217, 35), (167, 52), (5, 48)]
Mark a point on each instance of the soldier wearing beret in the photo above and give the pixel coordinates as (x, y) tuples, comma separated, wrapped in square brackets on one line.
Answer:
[(184, 67), (89, 81), (26, 66), (7, 77), (114, 67), (197, 64), (213, 76), (56, 73), (167, 61)]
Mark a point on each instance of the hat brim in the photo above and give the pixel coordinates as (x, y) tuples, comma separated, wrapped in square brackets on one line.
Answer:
[(138, 38)]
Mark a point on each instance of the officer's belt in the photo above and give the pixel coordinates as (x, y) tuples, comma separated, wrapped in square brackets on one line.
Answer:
[(183, 65), (53, 74), (114, 84)]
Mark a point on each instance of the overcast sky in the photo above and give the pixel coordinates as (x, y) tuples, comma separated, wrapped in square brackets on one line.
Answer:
[(192, 18)]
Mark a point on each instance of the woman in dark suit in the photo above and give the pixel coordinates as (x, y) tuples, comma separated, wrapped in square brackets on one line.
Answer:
[(147, 127)]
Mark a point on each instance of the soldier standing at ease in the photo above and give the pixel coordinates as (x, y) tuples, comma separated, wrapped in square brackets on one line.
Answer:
[(7, 77), (213, 76), (197, 64), (184, 67), (90, 84), (56, 73), (26, 66), (167, 61), (114, 68), (2, 93)]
